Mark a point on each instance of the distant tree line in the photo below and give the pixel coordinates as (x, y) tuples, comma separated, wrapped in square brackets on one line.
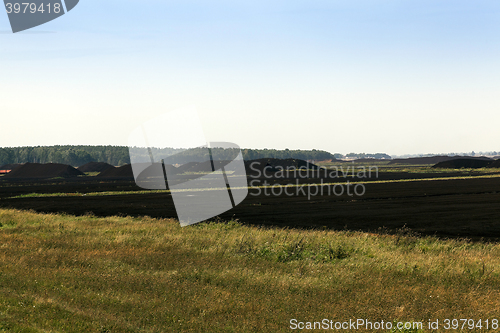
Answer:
[(180, 156), (363, 155), (317, 155), (119, 155), (72, 155)]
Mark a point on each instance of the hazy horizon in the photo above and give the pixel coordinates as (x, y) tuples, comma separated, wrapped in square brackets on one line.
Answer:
[(471, 153), (358, 76)]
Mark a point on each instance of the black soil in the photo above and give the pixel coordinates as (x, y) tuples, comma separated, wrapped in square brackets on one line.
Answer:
[(10, 167), (274, 164), (119, 172), (95, 167), (49, 170), (467, 163), (445, 208), (494, 164), (433, 159)]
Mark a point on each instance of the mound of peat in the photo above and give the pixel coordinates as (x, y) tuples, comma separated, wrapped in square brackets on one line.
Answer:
[(156, 170), (186, 167), (10, 167), (460, 163), (274, 164), (434, 159), (49, 170), (494, 164), (196, 167), (170, 169), (124, 171), (200, 167), (95, 167)]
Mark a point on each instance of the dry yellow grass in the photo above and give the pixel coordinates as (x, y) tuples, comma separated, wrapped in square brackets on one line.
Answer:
[(120, 274)]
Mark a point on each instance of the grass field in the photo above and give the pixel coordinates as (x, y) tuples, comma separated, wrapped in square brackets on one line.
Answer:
[(61, 273)]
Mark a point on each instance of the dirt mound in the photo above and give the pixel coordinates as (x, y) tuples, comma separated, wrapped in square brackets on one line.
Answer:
[(95, 167), (196, 167), (494, 164), (185, 167), (9, 167), (469, 163), (274, 164), (148, 172), (156, 170), (124, 171), (170, 169), (203, 167), (49, 170), (433, 159)]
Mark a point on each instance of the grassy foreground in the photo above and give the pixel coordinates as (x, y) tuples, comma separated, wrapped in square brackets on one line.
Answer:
[(120, 274)]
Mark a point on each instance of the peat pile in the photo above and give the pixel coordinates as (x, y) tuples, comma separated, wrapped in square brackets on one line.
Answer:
[(95, 167), (199, 167), (468, 163), (49, 170), (9, 167), (494, 164), (434, 159), (274, 165), (193, 167), (124, 171), (170, 169)]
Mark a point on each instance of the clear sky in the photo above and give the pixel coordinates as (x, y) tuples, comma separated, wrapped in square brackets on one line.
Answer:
[(344, 76)]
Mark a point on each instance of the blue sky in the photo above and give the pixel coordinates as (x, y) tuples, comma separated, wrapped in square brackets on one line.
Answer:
[(344, 76)]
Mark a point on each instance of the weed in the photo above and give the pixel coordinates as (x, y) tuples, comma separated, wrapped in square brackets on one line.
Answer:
[(62, 273)]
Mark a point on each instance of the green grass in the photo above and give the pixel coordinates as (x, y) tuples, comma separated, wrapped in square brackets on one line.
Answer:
[(61, 273), (78, 194)]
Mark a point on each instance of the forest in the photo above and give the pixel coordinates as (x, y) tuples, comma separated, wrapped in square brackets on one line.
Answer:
[(119, 155)]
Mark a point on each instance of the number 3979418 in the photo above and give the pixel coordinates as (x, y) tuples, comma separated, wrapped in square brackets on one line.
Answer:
[(26, 8)]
